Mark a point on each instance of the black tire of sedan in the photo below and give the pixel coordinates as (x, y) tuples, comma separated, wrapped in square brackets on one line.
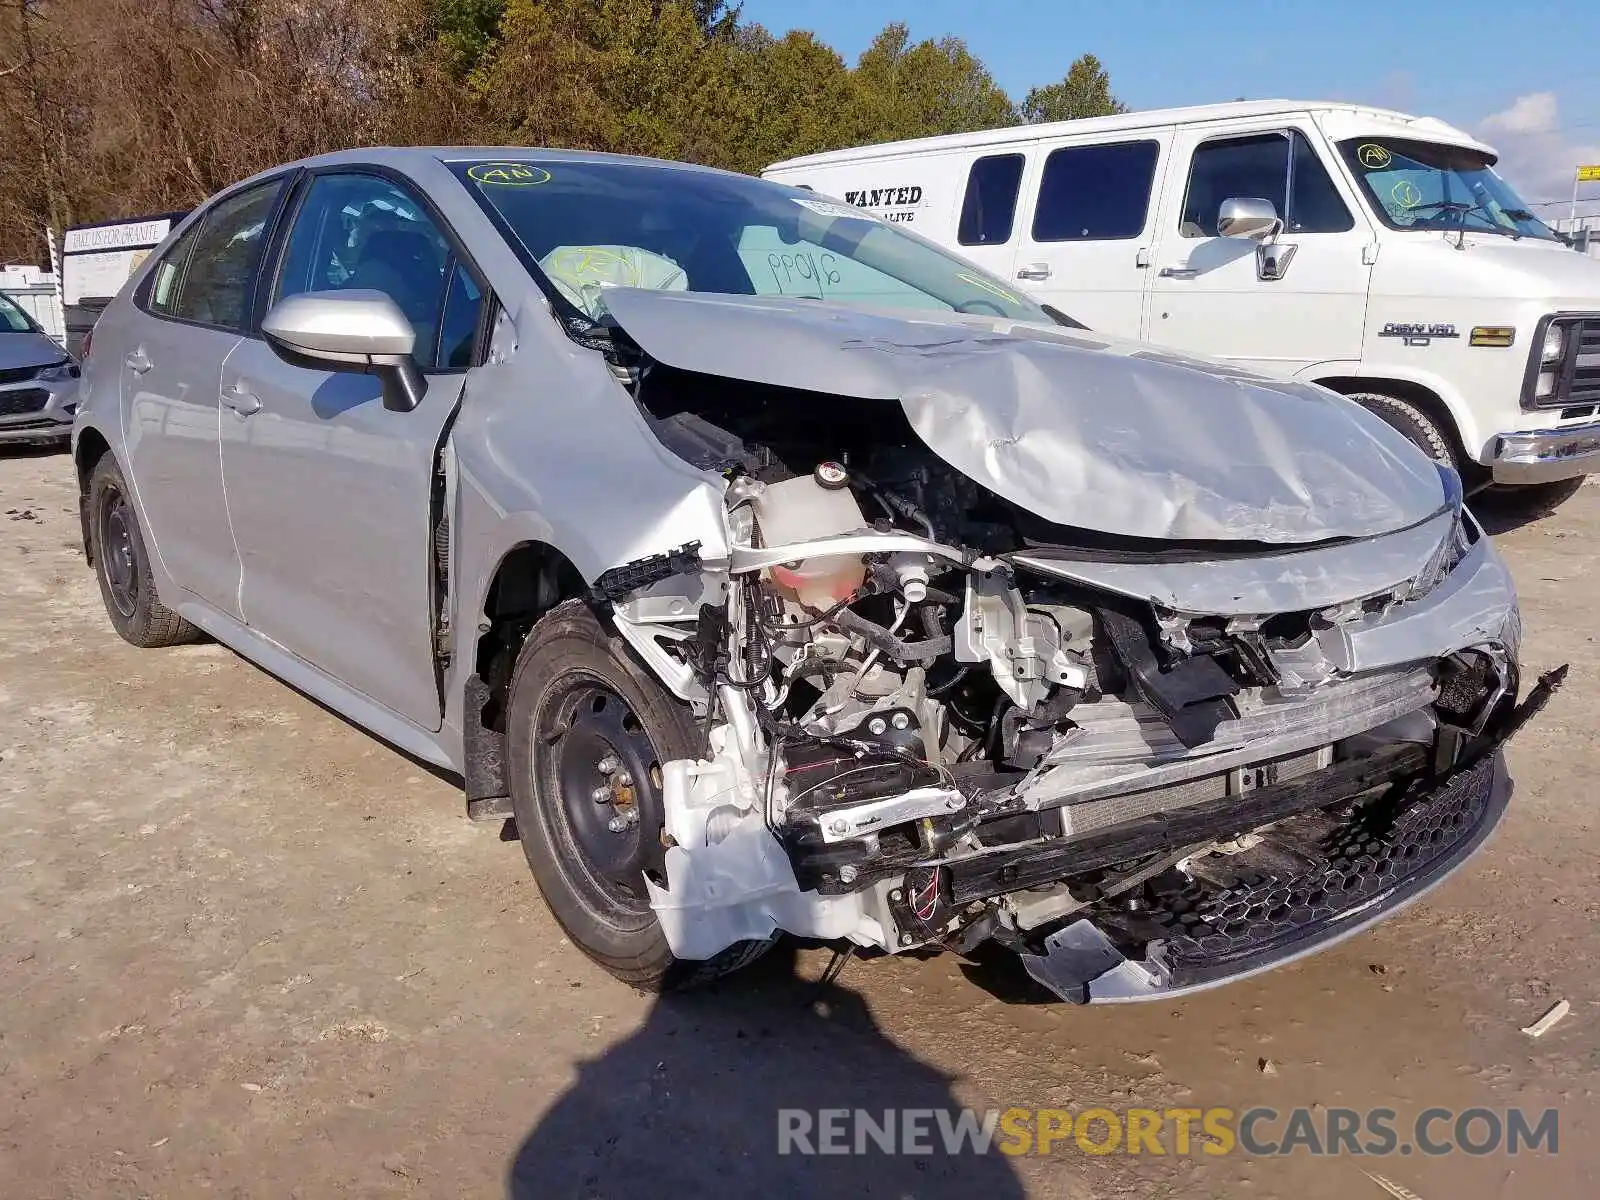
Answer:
[(588, 730), (122, 565), (1414, 422)]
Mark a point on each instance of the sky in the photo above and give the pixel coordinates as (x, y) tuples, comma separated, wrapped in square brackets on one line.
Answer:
[(1524, 78)]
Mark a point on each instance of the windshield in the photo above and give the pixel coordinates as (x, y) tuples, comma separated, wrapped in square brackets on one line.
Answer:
[(1426, 185), (585, 226), (12, 318)]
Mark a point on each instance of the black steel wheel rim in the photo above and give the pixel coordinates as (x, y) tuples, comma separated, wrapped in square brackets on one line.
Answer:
[(606, 773), (117, 560)]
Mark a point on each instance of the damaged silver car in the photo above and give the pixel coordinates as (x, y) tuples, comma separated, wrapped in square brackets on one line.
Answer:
[(781, 573)]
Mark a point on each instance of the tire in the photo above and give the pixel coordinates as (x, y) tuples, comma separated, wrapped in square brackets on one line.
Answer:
[(1416, 423), (122, 565), (577, 699)]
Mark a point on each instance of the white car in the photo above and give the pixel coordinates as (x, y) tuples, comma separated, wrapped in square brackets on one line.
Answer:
[(1372, 252)]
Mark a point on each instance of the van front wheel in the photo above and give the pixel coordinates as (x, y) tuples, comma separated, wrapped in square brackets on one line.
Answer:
[(1418, 425)]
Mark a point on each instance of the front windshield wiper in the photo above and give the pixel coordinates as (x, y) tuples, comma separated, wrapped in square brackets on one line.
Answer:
[(1463, 207)]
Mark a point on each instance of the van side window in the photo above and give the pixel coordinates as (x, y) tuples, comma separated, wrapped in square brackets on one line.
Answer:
[(990, 205), (1095, 193), (1284, 169)]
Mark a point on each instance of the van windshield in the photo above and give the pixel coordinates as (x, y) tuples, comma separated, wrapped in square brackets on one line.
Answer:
[(585, 225), (1428, 185)]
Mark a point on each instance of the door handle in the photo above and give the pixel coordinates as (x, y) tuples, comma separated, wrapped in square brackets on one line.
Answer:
[(139, 362), (1179, 272), (244, 403), (1034, 271)]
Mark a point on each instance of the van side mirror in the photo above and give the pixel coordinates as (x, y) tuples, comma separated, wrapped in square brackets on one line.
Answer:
[(1248, 217), (357, 330), (1256, 219)]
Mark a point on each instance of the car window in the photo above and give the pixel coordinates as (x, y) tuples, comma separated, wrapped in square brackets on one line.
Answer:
[(366, 232), (779, 267), (215, 285), (458, 328), (990, 205), (1284, 169), (12, 318), (164, 280), (1095, 193)]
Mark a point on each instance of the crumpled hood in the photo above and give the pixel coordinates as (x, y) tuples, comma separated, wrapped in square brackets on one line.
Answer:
[(1119, 438)]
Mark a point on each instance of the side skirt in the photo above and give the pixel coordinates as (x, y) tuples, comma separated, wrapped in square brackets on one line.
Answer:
[(300, 675)]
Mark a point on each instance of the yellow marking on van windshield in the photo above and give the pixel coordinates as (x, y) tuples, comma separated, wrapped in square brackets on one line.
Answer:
[(1372, 156)]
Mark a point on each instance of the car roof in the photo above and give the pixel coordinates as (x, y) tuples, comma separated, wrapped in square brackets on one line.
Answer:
[(404, 157), (1381, 119)]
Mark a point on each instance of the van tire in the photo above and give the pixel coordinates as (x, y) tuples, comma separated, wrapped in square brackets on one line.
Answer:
[(577, 694), (122, 565), (1418, 425)]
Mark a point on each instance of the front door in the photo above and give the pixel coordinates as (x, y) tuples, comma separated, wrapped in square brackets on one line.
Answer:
[(333, 497), (1085, 229), (1207, 295), (172, 356)]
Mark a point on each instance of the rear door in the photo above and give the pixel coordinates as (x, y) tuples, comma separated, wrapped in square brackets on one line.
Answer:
[(1086, 227), (191, 311), (1206, 293), (334, 498)]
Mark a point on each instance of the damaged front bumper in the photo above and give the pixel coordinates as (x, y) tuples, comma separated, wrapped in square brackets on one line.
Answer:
[(1346, 878)]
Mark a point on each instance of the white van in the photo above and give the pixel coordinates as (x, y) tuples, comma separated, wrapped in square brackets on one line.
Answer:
[(1373, 252)]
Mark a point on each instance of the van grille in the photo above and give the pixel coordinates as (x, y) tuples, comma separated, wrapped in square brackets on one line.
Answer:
[(1585, 385), (17, 374)]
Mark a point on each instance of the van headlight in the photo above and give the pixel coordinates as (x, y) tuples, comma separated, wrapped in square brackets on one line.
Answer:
[(1555, 344)]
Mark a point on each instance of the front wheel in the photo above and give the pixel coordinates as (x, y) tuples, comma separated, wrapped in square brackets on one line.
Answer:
[(1418, 425), (589, 729)]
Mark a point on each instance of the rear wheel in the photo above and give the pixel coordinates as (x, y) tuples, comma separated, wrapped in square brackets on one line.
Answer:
[(122, 564), (589, 730)]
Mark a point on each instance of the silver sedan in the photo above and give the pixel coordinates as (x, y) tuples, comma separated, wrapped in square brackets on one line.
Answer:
[(778, 571)]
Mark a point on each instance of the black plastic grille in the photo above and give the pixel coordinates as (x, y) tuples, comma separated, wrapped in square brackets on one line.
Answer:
[(17, 374), (27, 400), (1585, 385), (1344, 865)]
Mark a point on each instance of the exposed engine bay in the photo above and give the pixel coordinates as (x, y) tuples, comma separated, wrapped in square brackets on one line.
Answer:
[(935, 719)]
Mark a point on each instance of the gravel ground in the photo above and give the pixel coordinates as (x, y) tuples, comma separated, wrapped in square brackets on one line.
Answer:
[(247, 950)]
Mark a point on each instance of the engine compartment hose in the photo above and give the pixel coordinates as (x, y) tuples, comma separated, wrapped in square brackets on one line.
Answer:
[(882, 640)]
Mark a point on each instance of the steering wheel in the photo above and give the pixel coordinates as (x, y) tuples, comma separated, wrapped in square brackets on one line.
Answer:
[(977, 306)]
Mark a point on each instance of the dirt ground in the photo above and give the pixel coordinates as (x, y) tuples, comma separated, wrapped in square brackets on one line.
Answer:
[(246, 950)]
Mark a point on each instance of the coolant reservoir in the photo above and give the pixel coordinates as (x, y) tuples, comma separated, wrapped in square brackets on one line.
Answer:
[(813, 506)]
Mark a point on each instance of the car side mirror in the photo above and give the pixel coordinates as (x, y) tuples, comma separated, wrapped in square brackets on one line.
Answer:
[(356, 330), (1257, 220)]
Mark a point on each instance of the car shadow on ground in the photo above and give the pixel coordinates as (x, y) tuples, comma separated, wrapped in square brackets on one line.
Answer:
[(690, 1104), (1502, 510), (33, 449)]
